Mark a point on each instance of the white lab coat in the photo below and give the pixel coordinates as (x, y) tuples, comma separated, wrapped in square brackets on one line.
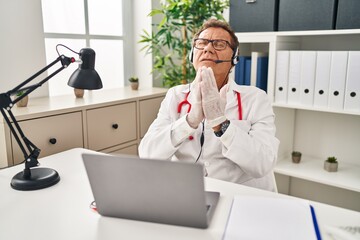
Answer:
[(245, 154)]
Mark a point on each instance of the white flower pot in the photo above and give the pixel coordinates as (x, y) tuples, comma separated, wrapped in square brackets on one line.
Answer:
[(330, 167)]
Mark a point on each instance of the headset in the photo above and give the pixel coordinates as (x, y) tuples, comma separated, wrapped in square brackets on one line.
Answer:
[(234, 58)]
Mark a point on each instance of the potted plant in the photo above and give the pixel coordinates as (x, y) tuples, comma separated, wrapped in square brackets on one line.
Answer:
[(171, 43), (296, 156), (331, 164), (24, 101), (134, 83)]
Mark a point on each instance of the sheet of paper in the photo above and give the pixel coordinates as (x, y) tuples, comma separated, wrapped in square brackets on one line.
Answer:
[(254, 218)]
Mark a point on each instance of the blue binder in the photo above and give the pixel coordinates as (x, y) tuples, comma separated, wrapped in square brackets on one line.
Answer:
[(247, 80), (240, 70), (262, 73)]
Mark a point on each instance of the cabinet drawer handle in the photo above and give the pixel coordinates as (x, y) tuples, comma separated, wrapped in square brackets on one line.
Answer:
[(115, 126), (52, 140)]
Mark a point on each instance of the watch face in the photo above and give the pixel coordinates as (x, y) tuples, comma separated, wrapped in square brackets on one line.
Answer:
[(219, 133), (223, 128)]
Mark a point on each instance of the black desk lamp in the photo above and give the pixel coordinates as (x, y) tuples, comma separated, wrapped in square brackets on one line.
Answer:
[(85, 77)]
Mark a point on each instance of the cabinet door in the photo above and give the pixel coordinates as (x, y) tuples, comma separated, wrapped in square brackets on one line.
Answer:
[(110, 126), (149, 109), (129, 150), (51, 134)]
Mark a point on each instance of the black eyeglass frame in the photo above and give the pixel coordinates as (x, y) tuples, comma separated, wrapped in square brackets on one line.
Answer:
[(212, 43)]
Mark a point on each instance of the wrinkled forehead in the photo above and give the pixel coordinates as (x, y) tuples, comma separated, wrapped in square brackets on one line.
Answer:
[(215, 33)]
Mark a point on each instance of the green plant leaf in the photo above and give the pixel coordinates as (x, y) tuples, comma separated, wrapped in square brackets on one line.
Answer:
[(155, 12)]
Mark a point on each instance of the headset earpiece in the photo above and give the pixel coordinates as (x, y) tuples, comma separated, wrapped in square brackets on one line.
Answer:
[(191, 55), (235, 57)]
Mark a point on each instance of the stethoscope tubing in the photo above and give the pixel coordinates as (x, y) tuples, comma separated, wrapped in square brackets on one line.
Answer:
[(186, 102)]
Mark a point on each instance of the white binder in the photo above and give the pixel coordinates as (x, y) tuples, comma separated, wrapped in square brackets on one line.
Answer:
[(294, 77), (281, 78), (307, 80), (352, 90), (337, 79), (322, 79)]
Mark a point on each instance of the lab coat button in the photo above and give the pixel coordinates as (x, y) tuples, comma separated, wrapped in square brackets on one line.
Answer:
[(206, 164)]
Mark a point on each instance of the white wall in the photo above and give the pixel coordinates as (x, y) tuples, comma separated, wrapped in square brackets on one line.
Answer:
[(142, 62), (22, 44)]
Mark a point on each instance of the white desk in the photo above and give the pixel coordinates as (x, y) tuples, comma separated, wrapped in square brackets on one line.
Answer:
[(62, 211)]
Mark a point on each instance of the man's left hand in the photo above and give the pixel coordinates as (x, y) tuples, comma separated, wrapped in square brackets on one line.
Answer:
[(213, 104)]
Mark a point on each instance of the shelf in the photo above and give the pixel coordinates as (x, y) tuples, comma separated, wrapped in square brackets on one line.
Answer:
[(315, 130), (262, 37), (317, 109), (99, 98), (272, 37), (298, 33), (311, 169), (319, 32)]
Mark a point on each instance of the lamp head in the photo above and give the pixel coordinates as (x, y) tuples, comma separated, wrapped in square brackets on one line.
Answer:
[(85, 77)]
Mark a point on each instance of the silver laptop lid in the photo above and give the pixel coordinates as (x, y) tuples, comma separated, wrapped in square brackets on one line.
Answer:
[(148, 190)]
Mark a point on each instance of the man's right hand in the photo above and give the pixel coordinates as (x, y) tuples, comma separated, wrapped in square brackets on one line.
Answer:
[(196, 114)]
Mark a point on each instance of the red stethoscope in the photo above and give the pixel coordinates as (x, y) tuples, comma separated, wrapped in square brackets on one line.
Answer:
[(186, 102)]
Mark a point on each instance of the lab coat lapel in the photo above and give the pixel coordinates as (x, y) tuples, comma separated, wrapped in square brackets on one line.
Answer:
[(231, 98)]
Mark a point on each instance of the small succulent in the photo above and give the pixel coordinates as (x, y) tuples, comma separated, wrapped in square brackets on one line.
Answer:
[(133, 79), (19, 93), (331, 159), (296, 154)]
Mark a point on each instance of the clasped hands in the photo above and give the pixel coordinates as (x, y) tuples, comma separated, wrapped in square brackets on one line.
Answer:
[(207, 102)]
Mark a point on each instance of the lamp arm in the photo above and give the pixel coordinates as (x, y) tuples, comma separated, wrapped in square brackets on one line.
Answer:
[(31, 152), (65, 61), (34, 152)]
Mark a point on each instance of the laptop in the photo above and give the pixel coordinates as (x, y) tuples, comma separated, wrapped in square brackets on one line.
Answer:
[(150, 190)]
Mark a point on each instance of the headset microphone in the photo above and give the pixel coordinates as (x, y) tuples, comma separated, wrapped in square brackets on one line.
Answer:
[(234, 60), (221, 61)]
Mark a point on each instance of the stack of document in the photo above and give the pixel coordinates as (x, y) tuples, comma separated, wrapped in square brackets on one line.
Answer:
[(255, 218)]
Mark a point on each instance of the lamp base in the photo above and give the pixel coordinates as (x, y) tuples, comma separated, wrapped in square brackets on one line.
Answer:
[(40, 178)]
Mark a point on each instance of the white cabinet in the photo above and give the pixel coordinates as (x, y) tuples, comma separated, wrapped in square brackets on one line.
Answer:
[(111, 121), (317, 132), (148, 112), (128, 150), (51, 134), (111, 126)]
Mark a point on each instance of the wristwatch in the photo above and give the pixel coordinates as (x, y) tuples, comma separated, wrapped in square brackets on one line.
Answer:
[(223, 128)]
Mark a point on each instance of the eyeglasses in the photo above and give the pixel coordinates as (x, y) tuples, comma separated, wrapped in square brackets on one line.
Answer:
[(201, 43)]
